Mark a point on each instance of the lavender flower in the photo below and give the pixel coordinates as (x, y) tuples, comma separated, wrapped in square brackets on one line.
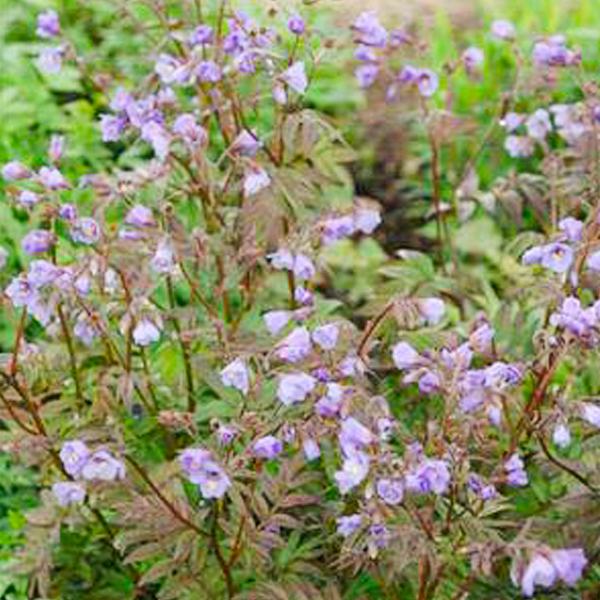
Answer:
[(282, 259), (311, 449), (336, 229), (326, 336), (561, 436), (208, 72), (85, 231), (28, 198), (569, 564), (348, 525), (572, 317), (512, 121), (303, 296), (203, 34), (163, 261), (369, 30), (85, 329), (379, 535), (276, 320), (405, 356), (295, 387), (593, 261), (74, 455), (538, 124), (519, 146), (557, 257), (432, 310), (295, 77), (515, 472), (296, 24), (354, 436), (472, 58), (158, 137), (56, 147), (590, 413), (503, 30), (354, 470), (102, 465), (295, 347), (255, 180), (15, 170), (68, 492), (427, 82), (236, 375), (366, 220), (52, 179), (50, 60), (205, 472), (430, 475), (37, 241), (193, 135), (140, 216), (366, 75), (146, 332), (391, 491), (112, 127), (572, 228), (48, 24), (267, 447), (3, 257), (246, 144)]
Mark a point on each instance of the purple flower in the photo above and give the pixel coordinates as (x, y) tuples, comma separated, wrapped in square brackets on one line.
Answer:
[(561, 436), (208, 71), (590, 413), (366, 220), (472, 58), (569, 564), (519, 146), (203, 34), (74, 454), (68, 492), (557, 257), (52, 179), (104, 466), (593, 261), (540, 571), (572, 228), (146, 332), (503, 30), (336, 229), (163, 260), (429, 383), (303, 296), (267, 447), (204, 472), (295, 77), (256, 179), (538, 124), (15, 170), (483, 490), (296, 24), (427, 82), (295, 347), (326, 336), (303, 267), (311, 449), (366, 75), (37, 241), (369, 30), (512, 121), (56, 147), (48, 24), (121, 99), (515, 472), (501, 375), (355, 469), (192, 461), (572, 317), (193, 135), (140, 216), (28, 198), (282, 259), (246, 144), (236, 375), (85, 330), (365, 54), (432, 309), (329, 406), (295, 387), (379, 535), (276, 320), (430, 475), (85, 231), (348, 525), (112, 127), (226, 435), (391, 491), (158, 137), (553, 52), (50, 60), (481, 338), (405, 356)]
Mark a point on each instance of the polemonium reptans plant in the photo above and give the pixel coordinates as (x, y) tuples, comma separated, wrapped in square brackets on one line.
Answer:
[(193, 403)]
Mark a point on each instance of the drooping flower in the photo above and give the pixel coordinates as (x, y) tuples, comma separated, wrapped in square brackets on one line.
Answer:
[(85, 329), (590, 413), (267, 447), (593, 261), (163, 261), (236, 375), (208, 71), (561, 436), (56, 147), (205, 472), (193, 134), (572, 317), (15, 170), (296, 24), (295, 77), (37, 241), (472, 58), (145, 332), (366, 75), (255, 180), (366, 220), (432, 309), (355, 469), (326, 336), (68, 492), (354, 436), (538, 124), (50, 60), (295, 347), (112, 127), (304, 268), (158, 137), (27, 198), (52, 179), (515, 471), (519, 146), (140, 216), (572, 228), (569, 564), (203, 34), (311, 449), (369, 30), (295, 387), (102, 465), (405, 356), (430, 475), (276, 320)]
